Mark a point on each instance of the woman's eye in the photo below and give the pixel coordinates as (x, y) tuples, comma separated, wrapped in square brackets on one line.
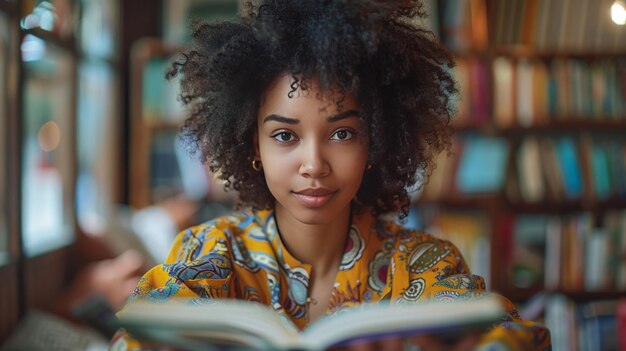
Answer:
[(284, 137), (342, 135)]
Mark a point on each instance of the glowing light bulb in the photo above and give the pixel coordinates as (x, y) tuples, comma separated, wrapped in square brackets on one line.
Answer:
[(618, 13)]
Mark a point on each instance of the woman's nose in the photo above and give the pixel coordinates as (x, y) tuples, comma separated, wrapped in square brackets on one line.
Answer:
[(314, 163)]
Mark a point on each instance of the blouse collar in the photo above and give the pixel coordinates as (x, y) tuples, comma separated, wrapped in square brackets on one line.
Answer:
[(360, 228)]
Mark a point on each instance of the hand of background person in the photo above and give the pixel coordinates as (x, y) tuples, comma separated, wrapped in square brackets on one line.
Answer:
[(112, 279), (181, 210)]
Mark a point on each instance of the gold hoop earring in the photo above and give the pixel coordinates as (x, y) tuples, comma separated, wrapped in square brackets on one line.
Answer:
[(256, 165)]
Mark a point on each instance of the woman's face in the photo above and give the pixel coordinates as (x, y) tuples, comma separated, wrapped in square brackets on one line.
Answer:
[(313, 155)]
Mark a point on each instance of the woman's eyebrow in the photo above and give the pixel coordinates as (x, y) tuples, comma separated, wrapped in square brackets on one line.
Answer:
[(343, 115), (279, 118), (287, 120)]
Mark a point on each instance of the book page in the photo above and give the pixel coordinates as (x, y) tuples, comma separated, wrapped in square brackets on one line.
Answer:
[(372, 322), (241, 323), (229, 321)]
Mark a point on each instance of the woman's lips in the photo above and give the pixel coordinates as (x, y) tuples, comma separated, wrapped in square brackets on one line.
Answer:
[(314, 199)]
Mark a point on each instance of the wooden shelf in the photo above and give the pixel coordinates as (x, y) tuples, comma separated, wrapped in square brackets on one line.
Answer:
[(560, 207), (142, 126), (9, 7), (522, 51), (160, 124), (572, 124), (546, 206), (518, 294), (555, 124), (525, 51), (469, 202), (592, 295), (576, 295)]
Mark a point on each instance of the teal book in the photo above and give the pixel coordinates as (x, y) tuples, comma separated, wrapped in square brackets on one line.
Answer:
[(529, 250), (600, 170), (570, 167), (153, 84), (617, 167), (482, 165), (454, 24), (553, 90)]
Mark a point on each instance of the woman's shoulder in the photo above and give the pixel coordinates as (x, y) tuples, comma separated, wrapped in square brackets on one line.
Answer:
[(417, 244), (228, 225), (230, 222), (389, 229), (212, 236), (200, 262)]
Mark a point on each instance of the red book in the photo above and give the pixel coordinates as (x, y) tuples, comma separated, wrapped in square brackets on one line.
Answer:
[(479, 92), (621, 324)]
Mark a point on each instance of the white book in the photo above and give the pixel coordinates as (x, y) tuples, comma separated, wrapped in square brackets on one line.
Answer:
[(503, 75), (596, 251), (525, 103), (553, 254), (243, 324), (529, 170)]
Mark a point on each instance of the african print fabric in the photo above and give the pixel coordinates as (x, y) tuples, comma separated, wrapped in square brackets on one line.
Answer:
[(241, 256)]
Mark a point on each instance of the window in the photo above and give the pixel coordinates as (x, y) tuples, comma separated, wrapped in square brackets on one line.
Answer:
[(56, 17), (98, 118), (98, 28), (47, 146), (97, 143)]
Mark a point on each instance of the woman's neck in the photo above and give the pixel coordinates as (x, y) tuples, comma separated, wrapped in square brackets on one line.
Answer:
[(320, 245)]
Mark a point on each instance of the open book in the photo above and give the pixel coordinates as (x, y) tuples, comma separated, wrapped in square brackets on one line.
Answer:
[(235, 324)]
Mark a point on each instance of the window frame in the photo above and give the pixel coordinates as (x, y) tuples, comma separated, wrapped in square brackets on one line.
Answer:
[(33, 282), (10, 301)]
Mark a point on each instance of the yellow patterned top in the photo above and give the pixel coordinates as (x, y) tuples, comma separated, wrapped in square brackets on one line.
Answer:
[(241, 256)]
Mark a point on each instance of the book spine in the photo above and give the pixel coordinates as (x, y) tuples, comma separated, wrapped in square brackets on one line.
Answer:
[(620, 261), (621, 324), (596, 252), (553, 254), (570, 168), (503, 102), (527, 91), (529, 171), (524, 101), (584, 325)]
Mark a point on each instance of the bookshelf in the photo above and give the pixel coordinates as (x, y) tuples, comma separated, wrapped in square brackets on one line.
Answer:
[(147, 120), (160, 168), (59, 115), (522, 67), (546, 81)]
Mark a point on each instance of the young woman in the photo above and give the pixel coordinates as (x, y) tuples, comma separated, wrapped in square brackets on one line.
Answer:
[(320, 114)]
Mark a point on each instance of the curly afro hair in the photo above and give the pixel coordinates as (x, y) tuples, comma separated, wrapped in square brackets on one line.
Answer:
[(398, 72)]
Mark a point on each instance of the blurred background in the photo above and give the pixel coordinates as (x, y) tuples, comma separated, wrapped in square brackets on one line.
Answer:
[(94, 185)]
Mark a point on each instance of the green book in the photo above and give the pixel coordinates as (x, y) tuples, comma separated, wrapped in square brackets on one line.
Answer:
[(601, 172)]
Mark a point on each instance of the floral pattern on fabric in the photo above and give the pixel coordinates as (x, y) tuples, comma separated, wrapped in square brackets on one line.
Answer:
[(242, 256)]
